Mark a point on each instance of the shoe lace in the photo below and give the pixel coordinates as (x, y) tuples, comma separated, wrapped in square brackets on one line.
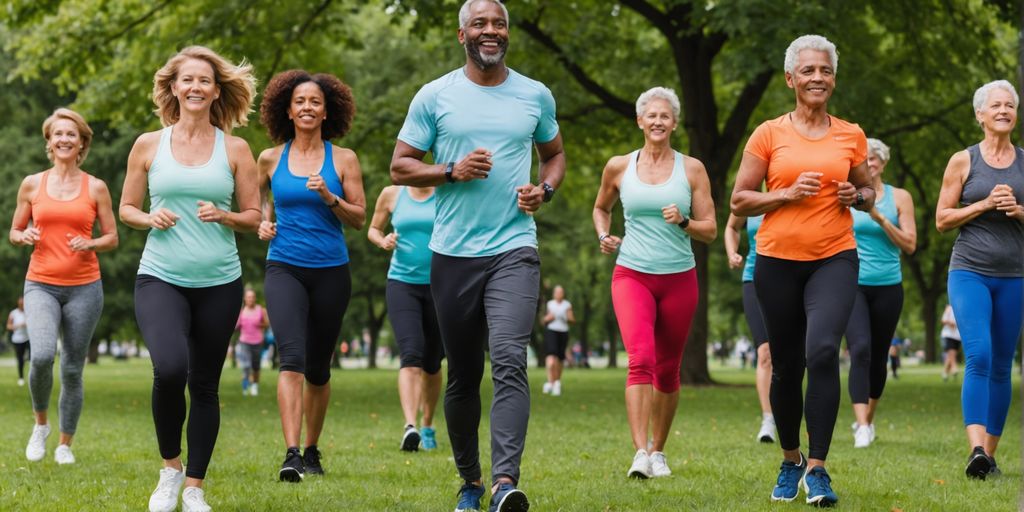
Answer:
[(312, 456), (38, 435), (165, 488), (787, 472), (819, 482), (469, 495)]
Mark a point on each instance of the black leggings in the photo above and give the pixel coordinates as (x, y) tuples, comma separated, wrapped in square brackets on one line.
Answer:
[(187, 332), (21, 353), (806, 306), (876, 311), (414, 321), (306, 306)]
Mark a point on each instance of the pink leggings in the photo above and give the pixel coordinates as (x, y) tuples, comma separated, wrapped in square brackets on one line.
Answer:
[(654, 313)]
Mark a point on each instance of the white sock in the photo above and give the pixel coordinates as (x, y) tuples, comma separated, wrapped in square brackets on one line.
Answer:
[(767, 416)]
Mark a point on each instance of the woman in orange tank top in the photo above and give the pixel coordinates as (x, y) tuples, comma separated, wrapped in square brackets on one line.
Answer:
[(55, 213), (805, 275)]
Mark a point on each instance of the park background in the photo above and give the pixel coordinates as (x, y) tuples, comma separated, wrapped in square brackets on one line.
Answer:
[(907, 72)]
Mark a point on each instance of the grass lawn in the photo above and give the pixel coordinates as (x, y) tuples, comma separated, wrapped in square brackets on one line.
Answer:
[(576, 457)]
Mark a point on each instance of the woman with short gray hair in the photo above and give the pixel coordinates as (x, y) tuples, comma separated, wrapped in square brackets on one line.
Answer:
[(982, 192)]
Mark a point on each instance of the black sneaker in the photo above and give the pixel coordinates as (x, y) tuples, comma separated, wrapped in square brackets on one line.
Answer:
[(994, 470), (292, 470), (311, 459), (411, 439), (978, 464)]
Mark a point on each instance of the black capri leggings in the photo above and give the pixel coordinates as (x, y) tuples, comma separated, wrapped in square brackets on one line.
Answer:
[(306, 306), (806, 306), (876, 311), (411, 309), (254, 352), (187, 332), (752, 310)]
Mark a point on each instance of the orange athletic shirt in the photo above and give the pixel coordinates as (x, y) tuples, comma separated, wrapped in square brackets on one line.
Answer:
[(53, 261), (816, 227)]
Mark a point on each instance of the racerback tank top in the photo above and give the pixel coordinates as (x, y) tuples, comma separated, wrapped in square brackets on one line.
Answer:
[(53, 261)]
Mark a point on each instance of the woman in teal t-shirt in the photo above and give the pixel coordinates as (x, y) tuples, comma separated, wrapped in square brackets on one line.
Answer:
[(410, 305), (190, 274), (882, 233)]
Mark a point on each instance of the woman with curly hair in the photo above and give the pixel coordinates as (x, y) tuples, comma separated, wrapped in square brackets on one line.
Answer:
[(189, 288), (316, 188)]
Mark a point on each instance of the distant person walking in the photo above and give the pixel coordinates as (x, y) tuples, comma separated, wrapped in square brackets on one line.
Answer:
[(556, 339), (252, 321), (410, 210), (19, 337), (982, 195), (951, 344), (55, 213)]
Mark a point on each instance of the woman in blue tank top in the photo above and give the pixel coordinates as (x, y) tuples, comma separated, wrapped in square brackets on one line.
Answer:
[(982, 195), (190, 274), (410, 305), (752, 311), (882, 233), (317, 187), (666, 200)]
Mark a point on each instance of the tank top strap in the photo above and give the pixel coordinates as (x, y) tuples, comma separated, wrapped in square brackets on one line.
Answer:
[(41, 194), (328, 171), (84, 193), (631, 167)]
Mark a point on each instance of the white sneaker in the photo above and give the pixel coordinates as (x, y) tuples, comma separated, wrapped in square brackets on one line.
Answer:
[(556, 388), (659, 467), (63, 455), (767, 432), (641, 467), (862, 437), (21, 382), (254, 389), (165, 497), (872, 427), (36, 448), (547, 388), (193, 500)]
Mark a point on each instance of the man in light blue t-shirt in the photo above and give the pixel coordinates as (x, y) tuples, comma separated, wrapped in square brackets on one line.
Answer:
[(480, 123)]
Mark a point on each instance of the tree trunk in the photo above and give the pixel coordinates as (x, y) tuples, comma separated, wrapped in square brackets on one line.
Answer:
[(612, 332), (695, 359), (930, 315), (583, 327), (376, 323), (94, 351)]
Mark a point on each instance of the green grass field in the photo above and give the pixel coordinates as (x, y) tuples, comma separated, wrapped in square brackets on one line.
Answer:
[(576, 457)]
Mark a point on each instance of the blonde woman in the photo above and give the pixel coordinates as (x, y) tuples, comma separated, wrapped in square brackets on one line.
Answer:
[(189, 288)]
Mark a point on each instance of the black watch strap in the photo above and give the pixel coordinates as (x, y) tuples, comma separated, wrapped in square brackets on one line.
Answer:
[(684, 223), (448, 172), (860, 199), (549, 192)]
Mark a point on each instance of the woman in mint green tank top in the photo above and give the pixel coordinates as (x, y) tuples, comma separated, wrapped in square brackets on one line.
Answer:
[(666, 201), (410, 211), (883, 233), (190, 274)]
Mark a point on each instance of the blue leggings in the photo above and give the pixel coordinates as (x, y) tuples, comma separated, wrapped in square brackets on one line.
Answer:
[(988, 311)]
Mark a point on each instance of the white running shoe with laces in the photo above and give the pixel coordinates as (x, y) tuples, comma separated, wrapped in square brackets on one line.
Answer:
[(63, 455), (862, 436), (556, 388), (165, 496), (659, 466), (641, 467), (194, 500), (767, 432), (547, 388), (36, 448)]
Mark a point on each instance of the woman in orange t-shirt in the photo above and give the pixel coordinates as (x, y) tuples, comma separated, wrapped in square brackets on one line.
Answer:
[(806, 272), (63, 291)]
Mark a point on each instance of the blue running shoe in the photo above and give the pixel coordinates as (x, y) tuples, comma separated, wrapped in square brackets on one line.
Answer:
[(428, 438), (788, 484), (469, 498), (818, 486), (509, 499)]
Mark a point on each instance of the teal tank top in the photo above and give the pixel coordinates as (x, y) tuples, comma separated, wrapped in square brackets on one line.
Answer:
[(193, 253), (651, 245), (879, 257), (414, 222), (753, 224)]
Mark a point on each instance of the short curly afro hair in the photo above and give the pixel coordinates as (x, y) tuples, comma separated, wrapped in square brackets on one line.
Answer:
[(277, 97)]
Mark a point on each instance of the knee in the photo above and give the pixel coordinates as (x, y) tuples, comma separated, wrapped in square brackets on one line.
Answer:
[(978, 363), (319, 374), (641, 370), (42, 360), (764, 357), (825, 358), (71, 375), (410, 359), (666, 380), (860, 355), (170, 377)]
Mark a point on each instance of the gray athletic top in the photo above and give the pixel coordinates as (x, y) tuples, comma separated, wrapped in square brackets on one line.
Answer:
[(992, 244)]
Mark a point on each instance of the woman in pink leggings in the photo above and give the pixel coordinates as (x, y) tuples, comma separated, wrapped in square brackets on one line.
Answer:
[(666, 200)]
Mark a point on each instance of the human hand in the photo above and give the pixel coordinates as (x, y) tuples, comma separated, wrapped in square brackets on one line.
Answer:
[(163, 219), (475, 166), (207, 212), (267, 230), (529, 197)]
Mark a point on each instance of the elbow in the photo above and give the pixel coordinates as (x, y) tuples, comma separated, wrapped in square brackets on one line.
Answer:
[(396, 173), (942, 225)]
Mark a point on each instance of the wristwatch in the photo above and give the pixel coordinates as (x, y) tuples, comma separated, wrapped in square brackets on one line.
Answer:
[(860, 199), (685, 222), (549, 192), (448, 172)]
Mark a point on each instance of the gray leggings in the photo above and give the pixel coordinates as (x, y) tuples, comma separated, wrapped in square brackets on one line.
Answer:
[(72, 311)]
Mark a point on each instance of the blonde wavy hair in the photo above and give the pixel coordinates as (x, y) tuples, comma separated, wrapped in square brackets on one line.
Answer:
[(237, 89), (84, 131)]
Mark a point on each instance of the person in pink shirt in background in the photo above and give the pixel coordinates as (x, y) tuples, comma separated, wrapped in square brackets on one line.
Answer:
[(252, 321)]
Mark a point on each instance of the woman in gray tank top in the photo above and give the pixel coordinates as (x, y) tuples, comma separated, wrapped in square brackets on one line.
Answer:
[(982, 192)]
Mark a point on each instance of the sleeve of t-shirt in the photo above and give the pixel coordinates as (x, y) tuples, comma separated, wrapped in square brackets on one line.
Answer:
[(760, 143), (547, 127), (860, 151), (420, 125)]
